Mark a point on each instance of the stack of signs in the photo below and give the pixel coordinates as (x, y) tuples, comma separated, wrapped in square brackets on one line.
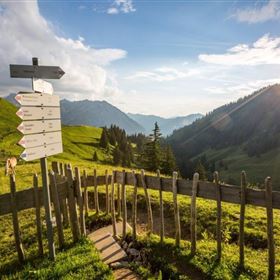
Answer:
[(41, 125)]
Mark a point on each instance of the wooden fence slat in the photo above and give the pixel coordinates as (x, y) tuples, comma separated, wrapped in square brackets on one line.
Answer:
[(16, 227), (161, 210), (107, 192), (270, 237), (61, 169), (242, 218), (148, 202), (85, 192), (64, 210), (96, 200), (134, 208), (124, 205), (55, 199), (176, 210), (80, 201), (55, 167), (72, 206), (193, 213), (119, 202), (219, 216), (38, 215), (114, 223)]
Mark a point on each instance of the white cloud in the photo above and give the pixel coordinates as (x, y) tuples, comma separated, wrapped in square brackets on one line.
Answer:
[(265, 50), (269, 11), (163, 74), (25, 33), (121, 6)]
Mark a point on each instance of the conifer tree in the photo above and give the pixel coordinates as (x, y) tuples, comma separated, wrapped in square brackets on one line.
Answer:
[(95, 157), (200, 169), (117, 156), (168, 161), (104, 139)]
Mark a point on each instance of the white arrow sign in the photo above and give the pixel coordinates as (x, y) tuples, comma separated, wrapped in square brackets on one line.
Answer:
[(41, 151), (38, 113), (35, 140), (42, 86), (31, 127), (35, 99)]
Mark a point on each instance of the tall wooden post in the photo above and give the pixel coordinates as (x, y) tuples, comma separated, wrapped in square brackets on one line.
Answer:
[(161, 210), (96, 201), (113, 204), (193, 213), (124, 204), (176, 209), (219, 216), (134, 208)]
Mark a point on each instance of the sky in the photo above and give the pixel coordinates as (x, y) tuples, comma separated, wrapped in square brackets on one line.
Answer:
[(163, 57)]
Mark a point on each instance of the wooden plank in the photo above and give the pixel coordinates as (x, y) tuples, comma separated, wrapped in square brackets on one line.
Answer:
[(80, 201), (176, 210), (134, 209), (96, 200), (72, 206), (270, 237), (161, 210), (194, 213), (124, 209), (219, 216), (56, 203), (38, 215), (61, 169), (113, 205), (148, 202), (242, 219), (16, 227)]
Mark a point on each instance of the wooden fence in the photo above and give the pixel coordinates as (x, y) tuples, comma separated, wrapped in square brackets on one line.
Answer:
[(69, 191)]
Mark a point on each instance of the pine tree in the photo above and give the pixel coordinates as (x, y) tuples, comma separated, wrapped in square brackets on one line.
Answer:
[(200, 169), (95, 157), (117, 156), (104, 139), (168, 162)]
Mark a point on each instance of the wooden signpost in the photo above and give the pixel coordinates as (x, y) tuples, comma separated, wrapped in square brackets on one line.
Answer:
[(41, 125)]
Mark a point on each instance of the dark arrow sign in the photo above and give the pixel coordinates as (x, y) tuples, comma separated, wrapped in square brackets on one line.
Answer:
[(34, 71)]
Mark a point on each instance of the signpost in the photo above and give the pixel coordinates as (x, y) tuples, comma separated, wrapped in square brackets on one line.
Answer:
[(41, 125)]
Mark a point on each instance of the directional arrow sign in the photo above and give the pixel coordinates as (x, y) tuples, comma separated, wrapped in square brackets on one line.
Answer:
[(38, 113), (42, 86), (34, 71), (41, 139), (41, 151), (31, 127), (35, 99)]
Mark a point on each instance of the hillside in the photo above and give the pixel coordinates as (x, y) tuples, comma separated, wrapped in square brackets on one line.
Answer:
[(167, 125), (241, 135)]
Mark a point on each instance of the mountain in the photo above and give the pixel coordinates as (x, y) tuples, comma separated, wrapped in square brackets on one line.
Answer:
[(167, 125), (93, 113), (240, 135)]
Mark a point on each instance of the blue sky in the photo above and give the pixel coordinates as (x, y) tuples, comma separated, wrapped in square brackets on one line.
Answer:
[(155, 57)]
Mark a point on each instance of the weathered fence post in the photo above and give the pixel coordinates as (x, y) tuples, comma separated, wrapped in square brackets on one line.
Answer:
[(61, 169), (124, 204), (107, 192), (161, 211), (85, 192), (119, 203), (219, 216), (242, 218), (38, 215), (270, 237), (176, 210), (55, 167), (134, 208), (19, 246), (96, 200), (80, 201), (55, 199), (113, 203), (72, 206), (193, 213), (148, 202)]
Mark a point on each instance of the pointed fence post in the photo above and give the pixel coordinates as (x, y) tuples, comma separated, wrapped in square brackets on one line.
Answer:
[(16, 228), (55, 199), (242, 218), (119, 203), (85, 192), (194, 213), (161, 210), (148, 202), (176, 210), (38, 215), (219, 216), (134, 207), (113, 204), (107, 192), (270, 237), (61, 169), (96, 201), (124, 204), (80, 201)]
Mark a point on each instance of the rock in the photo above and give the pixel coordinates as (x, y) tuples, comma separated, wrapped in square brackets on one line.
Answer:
[(130, 245), (117, 265), (133, 252), (124, 245)]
